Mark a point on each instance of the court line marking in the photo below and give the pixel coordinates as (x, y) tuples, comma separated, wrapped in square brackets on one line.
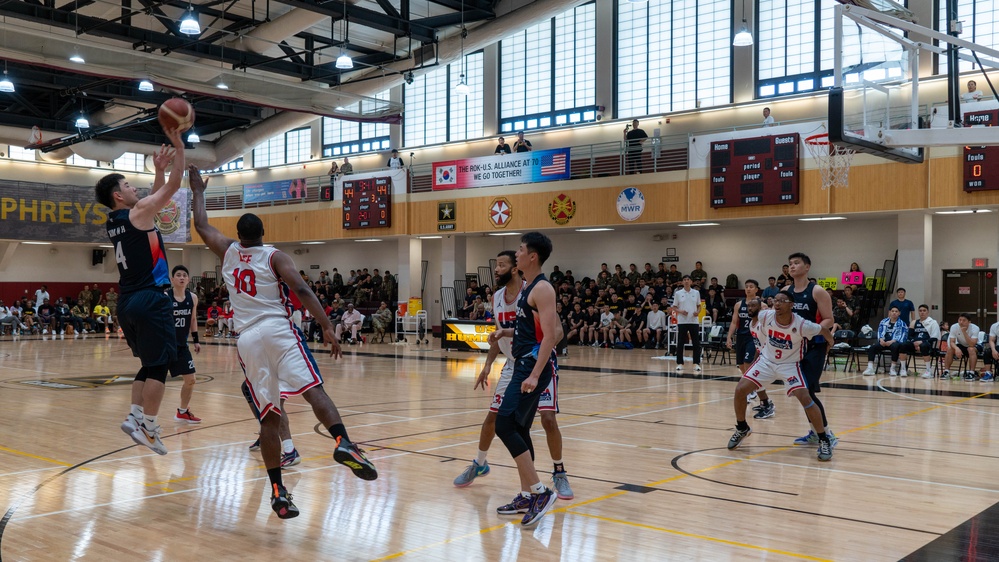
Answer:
[(703, 537), (61, 464), (943, 404)]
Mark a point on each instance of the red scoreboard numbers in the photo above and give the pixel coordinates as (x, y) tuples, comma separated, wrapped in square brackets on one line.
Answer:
[(756, 171), (367, 203)]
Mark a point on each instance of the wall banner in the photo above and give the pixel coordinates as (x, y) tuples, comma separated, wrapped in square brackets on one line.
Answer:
[(274, 191), (503, 169)]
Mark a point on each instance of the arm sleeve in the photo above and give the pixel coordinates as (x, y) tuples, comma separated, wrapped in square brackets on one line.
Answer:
[(810, 329)]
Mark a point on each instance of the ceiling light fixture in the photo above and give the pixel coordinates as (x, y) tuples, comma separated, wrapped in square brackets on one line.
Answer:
[(504, 234), (33, 243), (344, 62), (462, 88), (82, 122), (744, 38), (316, 243), (700, 224), (962, 212), (76, 56), (193, 138), (189, 23), (812, 219), (368, 240), (6, 85), (146, 86), (594, 229), (430, 237)]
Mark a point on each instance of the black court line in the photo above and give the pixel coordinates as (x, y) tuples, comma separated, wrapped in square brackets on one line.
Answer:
[(676, 465), (975, 539)]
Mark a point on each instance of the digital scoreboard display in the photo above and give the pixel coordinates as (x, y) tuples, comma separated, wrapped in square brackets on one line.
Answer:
[(756, 171), (367, 203), (981, 168)]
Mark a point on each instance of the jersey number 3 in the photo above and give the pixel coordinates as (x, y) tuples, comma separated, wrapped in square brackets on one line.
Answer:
[(245, 281)]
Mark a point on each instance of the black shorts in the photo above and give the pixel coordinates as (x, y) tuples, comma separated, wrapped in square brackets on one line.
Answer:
[(184, 365), (146, 320), (523, 406), (745, 349), (812, 364)]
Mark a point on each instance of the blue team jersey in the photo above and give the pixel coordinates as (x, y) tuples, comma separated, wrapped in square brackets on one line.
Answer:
[(527, 334), (183, 312), (140, 254)]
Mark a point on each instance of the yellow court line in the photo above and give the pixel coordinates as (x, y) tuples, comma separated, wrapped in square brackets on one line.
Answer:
[(704, 537), (682, 476), (66, 464)]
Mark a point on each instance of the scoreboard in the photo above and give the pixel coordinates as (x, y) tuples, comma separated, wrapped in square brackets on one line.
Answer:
[(367, 203), (755, 171), (981, 168)]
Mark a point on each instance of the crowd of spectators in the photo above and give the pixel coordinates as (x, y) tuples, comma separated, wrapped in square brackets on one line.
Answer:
[(92, 311)]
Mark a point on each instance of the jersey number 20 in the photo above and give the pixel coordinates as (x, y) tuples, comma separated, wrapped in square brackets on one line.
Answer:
[(245, 281)]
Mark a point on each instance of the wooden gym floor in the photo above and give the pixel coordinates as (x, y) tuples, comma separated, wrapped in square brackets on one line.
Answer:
[(645, 450)]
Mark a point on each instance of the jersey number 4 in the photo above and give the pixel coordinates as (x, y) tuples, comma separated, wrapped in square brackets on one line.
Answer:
[(245, 281)]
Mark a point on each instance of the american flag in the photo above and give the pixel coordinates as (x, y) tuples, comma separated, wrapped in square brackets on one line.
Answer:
[(553, 164)]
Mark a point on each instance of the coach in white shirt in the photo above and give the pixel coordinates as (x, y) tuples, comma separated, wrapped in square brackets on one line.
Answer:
[(686, 305), (351, 320)]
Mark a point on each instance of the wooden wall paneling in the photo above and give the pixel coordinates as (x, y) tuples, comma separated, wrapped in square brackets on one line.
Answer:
[(946, 189), (813, 201), (884, 187)]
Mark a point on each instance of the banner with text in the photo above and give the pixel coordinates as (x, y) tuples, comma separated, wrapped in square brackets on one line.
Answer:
[(66, 213), (274, 191), (504, 169)]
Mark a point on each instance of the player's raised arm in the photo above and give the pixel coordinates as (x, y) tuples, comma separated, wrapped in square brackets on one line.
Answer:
[(148, 206), (215, 240)]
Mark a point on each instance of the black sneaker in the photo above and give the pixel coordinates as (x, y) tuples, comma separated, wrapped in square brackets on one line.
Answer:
[(281, 503), (540, 504), (970, 376), (825, 451), (520, 504), (349, 455), (765, 411), (737, 438)]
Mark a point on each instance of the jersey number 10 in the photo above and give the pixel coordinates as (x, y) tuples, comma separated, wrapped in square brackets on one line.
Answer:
[(245, 281)]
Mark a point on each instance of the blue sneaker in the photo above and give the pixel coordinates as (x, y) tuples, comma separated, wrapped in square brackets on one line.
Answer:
[(472, 472), (987, 376), (520, 504), (810, 439), (290, 459)]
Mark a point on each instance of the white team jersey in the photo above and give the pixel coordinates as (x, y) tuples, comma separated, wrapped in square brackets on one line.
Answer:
[(255, 290), (783, 344), (506, 317)]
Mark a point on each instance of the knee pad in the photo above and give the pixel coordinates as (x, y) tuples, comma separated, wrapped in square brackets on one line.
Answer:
[(509, 434), (157, 373)]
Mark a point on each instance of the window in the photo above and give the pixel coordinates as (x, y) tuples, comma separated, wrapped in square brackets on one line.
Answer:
[(435, 113), (548, 72), (131, 162), (673, 55), (795, 51), (230, 166), (981, 25), (287, 148), (77, 160), (347, 137), (20, 153)]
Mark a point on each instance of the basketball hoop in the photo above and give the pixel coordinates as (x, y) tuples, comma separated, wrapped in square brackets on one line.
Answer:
[(834, 160)]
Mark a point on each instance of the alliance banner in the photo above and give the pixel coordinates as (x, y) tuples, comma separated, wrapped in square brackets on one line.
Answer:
[(67, 213), (503, 169)]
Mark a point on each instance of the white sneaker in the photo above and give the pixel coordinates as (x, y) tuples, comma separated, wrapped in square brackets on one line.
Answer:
[(679, 368), (893, 372), (130, 424), (904, 372), (927, 375), (45, 331), (869, 371), (750, 397), (62, 332), (149, 438), (697, 368)]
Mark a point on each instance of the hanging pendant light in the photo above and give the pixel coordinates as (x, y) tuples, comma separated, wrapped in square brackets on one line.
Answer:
[(744, 38), (462, 88), (189, 23), (344, 62)]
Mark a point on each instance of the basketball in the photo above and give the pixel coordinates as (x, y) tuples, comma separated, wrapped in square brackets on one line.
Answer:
[(176, 113)]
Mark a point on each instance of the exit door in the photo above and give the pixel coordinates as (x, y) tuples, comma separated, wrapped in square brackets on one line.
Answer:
[(972, 292)]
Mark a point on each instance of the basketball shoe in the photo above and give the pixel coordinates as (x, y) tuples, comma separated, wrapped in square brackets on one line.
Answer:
[(255, 446), (520, 504), (560, 481), (290, 459), (765, 411), (470, 473), (540, 504), (281, 503), (825, 451), (150, 438), (738, 437), (130, 424), (349, 455), (187, 417)]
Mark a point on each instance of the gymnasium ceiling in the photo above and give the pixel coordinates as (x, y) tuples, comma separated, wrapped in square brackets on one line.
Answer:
[(280, 53)]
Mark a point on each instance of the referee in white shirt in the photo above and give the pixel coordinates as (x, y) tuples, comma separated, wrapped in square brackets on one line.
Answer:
[(686, 305)]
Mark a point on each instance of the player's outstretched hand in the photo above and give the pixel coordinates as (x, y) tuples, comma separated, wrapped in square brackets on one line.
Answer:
[(483, 379), (329, 335), (198, 184), (174, 136), (163, 156)]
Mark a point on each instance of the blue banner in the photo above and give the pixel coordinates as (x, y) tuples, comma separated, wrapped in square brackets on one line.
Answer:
[(274, 191), (504, 169)]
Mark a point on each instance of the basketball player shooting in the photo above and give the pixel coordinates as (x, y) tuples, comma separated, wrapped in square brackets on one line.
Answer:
[(272, 350)]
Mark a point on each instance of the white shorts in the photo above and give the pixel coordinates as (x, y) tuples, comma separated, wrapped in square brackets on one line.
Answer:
[(549, 398), (276, 362), (763, 372)]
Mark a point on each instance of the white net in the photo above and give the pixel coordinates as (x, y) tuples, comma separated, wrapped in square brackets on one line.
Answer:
[(833, 160)]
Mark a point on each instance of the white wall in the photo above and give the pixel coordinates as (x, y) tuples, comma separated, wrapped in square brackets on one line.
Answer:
[(959, 238), (59, 263)]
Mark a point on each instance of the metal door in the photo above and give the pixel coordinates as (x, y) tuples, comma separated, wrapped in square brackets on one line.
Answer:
[(972, 292)]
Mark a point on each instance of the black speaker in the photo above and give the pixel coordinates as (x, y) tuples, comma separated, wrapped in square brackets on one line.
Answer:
[(98, 257)]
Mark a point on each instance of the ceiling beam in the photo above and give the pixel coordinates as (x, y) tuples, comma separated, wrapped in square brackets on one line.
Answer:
[(368, 18)]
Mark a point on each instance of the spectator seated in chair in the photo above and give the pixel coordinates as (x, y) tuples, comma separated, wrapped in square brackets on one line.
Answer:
[(478, 311), (351, 320), (212, 317), (892, 333), (381, 321), (924, 335), (962, 342)]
